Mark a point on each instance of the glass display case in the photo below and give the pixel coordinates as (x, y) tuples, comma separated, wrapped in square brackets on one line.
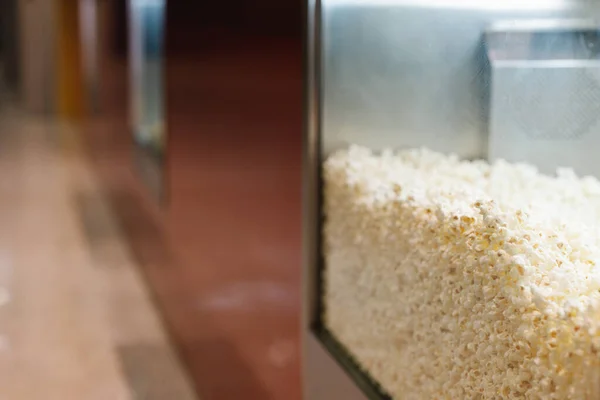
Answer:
[(146, 38), (451, 199)]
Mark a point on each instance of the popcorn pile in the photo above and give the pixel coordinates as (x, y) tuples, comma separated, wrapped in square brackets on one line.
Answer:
[(449, 279)]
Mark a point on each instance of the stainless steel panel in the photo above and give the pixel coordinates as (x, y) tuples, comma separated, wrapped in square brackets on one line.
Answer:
[(415, 73)]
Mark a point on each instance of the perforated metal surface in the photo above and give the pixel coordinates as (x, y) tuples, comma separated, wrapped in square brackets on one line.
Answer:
[(546, 116), (549, 103)]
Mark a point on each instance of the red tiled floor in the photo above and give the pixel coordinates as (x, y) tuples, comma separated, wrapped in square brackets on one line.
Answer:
[(224, 258)]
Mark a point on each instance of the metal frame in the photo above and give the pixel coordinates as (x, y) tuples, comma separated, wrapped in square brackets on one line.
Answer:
[(328, 370)]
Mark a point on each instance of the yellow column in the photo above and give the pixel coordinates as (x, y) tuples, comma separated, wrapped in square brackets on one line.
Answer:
[(70, 85)]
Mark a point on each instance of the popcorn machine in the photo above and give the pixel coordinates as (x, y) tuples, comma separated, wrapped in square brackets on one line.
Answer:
[(452, 206)]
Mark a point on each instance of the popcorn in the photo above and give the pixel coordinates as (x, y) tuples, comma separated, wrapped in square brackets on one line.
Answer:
[(448, 279)]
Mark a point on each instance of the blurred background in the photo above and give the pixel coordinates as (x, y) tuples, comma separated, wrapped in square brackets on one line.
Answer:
[(150, 199)]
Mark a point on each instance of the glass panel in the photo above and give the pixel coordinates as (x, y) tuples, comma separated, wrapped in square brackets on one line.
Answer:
[(460, 239)]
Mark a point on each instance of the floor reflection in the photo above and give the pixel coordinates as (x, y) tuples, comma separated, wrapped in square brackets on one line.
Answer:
[(223, 259)]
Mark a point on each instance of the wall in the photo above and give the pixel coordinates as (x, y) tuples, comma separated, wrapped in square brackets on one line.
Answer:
[(9, 32), (193, 25), (272, 17)]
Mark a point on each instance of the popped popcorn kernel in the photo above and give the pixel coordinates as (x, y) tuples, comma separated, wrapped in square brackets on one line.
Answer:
[(448, 279)]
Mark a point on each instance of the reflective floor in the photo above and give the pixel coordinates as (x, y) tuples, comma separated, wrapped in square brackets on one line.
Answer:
[(223, 256), (106, 295), (76, 321)]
